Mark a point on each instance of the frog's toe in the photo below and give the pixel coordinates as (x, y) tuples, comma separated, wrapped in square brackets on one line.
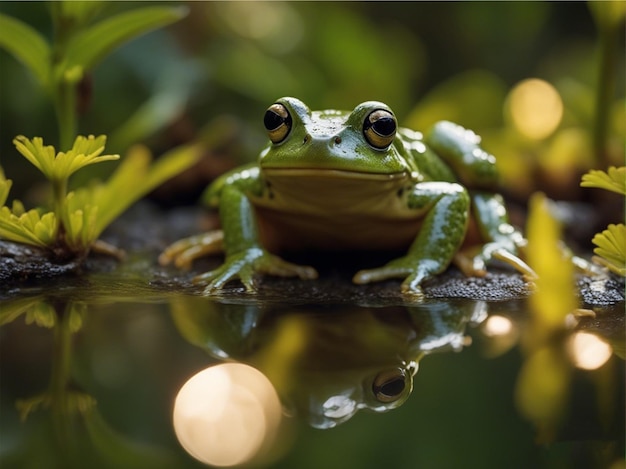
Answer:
[(244, 265), (470, 266), (515, 262), (183, 252), (411, 289), (379, 274), (280, 268), (215, 280)]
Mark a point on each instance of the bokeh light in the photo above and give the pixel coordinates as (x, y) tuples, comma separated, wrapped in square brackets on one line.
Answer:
[(227, 415), (497, 326), (535, 108), (588, 351)]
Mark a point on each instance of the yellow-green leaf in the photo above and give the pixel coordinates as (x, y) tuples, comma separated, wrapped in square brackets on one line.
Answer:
[(612, 248), (5, 187), (20, 229), (554, 298), (60, 166), (134, 178), (614, 180)]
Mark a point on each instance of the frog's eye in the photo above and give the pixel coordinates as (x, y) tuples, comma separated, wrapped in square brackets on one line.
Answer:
[(379, 128), (277, 122), (389, 385)]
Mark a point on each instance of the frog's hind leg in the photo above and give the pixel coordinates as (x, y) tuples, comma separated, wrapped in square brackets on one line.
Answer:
[(475, 266), (515, 262), (183, 252)]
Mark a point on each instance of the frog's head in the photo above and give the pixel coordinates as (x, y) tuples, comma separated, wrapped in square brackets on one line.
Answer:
[(362, 141)]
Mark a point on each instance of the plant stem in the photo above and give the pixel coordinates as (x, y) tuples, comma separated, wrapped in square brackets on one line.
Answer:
[(65, 107), (64, 90), (607, 40), (59, 193)]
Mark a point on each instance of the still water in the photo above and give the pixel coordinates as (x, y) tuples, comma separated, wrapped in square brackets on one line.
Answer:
[(113, 370)]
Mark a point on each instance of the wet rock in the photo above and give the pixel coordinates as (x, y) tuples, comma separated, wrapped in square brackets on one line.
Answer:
[(145, 230), (601, 290), (19, 262)]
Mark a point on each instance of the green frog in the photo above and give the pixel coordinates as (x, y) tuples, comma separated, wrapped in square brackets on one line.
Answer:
[(335, 180)]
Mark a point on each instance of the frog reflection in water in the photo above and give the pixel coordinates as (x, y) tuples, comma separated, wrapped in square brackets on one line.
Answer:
[(328, 362), (334, 180)]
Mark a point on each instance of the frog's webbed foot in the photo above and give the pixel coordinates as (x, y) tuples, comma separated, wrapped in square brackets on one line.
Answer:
[(245, 264), (183, 252), (413, 272)]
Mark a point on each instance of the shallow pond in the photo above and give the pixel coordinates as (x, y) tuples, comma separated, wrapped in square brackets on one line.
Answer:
[(336, 375)]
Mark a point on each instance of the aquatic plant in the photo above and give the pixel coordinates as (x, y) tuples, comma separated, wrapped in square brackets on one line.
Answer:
[(72, 228), (611, 243)]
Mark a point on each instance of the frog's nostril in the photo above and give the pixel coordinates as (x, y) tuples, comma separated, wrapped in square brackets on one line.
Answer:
[(307, 139)]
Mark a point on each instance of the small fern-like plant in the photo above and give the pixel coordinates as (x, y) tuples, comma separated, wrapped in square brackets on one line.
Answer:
[(72, 228), (611, 243)]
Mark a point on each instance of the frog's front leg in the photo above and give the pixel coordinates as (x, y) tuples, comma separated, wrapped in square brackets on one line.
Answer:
[(445, 208), (244, 254)]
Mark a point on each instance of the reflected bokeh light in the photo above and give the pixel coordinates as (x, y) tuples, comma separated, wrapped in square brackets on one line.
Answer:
[(501, 332), (497, 325), (227, 415), (588, 351), (535, 108)]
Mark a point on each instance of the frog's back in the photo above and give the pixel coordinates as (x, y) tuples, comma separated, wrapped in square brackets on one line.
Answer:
[(423, 162)]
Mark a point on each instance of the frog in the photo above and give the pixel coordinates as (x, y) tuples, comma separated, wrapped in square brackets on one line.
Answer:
[(355, 180)]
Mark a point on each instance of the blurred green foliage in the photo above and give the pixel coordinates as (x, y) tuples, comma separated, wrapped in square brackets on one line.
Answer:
[(59, 67), (428, 61)]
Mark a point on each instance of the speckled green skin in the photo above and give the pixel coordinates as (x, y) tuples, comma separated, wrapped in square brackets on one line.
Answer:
[(325, 187)]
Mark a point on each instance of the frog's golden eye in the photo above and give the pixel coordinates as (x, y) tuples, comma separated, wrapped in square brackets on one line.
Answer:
[(277, 122), (379, 128), (389, 385)]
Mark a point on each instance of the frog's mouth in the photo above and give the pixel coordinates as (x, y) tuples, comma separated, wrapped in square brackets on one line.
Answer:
[(318, 173)]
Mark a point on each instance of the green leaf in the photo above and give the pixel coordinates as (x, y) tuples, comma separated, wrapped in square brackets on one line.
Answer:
[(77, 12), (614, 181), (612, 248), (86, 49), (5, 187), (27, 45), (134, 178)]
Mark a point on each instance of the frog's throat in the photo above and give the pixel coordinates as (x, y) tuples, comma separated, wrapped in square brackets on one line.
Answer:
[(334, 209), (333, 193)]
